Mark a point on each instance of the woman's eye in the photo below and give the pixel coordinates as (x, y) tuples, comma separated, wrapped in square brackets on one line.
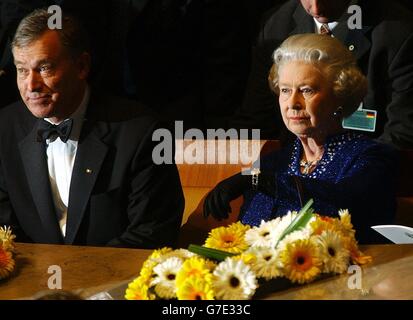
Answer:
[(284, 90), (307, 91)]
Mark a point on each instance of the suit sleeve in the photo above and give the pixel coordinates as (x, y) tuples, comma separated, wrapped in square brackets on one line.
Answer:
[(399, 127), (7, 216), (368, 191), (155, 202), (5, 205)]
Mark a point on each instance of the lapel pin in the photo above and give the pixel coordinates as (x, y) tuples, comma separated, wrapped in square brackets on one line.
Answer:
[(89, 171)]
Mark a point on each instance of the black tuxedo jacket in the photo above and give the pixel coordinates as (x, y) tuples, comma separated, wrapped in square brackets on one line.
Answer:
[(383, 48), (118, 196)]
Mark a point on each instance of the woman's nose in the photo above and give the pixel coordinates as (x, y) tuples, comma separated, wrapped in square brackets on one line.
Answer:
[(295, 101)]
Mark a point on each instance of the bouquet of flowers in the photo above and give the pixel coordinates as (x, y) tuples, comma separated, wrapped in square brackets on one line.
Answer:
[(236, 259), (7, 250)]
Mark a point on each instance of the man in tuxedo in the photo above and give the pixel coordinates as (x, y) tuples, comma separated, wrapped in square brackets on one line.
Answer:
[(94, 15), (383, 48), (75, 165)]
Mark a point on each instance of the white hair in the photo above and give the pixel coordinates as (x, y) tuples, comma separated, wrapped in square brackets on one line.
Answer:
[(330, 56)]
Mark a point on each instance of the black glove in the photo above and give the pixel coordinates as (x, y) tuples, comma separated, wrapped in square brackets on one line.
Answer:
[(218, 199), (217, 202)]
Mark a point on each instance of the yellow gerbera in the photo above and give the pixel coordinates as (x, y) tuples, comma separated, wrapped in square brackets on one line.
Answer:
[(6, 263), (230, 239), (158, 253), (322, 223), (146, 275), (345, 223), (301, 260), (247, 257), (239, 226), (334, 255), (194, 266), (7, 238), (138, 290), (195, 287)]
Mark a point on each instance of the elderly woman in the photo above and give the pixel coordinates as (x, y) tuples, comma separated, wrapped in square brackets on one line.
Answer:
[(318, 83)]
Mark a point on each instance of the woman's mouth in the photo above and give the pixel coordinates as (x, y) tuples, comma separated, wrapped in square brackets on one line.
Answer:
[(298, 118)]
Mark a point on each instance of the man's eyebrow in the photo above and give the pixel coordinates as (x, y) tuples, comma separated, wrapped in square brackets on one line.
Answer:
[(40, 62), (44, 61)]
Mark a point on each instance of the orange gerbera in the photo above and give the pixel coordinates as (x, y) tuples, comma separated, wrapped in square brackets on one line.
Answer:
[(301, 261), (356, 255), (6, 263)]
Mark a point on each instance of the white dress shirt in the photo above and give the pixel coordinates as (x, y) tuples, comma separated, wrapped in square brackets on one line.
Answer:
[(60, 161), (331, 25)]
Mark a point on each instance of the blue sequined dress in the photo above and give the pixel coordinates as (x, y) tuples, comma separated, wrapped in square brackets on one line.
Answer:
[(355, 173)]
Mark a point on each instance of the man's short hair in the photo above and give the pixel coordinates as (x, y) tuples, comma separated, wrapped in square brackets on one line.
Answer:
[(72, 34)]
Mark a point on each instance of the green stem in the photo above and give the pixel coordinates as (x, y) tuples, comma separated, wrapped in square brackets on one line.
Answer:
[(209, 252)]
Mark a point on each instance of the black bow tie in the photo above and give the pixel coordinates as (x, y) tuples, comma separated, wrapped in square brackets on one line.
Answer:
[(46, 129)]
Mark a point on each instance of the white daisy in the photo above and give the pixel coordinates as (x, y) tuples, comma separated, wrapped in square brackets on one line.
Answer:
[(266, 264), (265, 235), (165, 275), (334, 255), (289, 217), (285, 221), (167, 254), (234, 280)]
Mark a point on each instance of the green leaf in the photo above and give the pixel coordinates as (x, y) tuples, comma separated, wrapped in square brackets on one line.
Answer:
[(209, 252), (300, 220)]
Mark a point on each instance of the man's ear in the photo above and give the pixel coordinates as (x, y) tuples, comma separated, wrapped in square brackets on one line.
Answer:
[(83, 64)]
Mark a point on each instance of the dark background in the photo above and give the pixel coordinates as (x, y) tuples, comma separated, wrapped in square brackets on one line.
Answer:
[(187, 59)]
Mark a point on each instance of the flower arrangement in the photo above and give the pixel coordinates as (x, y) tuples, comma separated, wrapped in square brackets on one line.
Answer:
[(7, 250), (235, 259)]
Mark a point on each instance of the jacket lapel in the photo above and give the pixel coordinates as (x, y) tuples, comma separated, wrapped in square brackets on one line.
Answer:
[(354, 39), (33, 155), (90, 155)]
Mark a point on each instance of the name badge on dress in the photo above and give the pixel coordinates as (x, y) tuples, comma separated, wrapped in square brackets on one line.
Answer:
[(361, 119)]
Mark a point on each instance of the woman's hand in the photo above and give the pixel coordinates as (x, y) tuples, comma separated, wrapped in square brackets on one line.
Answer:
[(217, 202)]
